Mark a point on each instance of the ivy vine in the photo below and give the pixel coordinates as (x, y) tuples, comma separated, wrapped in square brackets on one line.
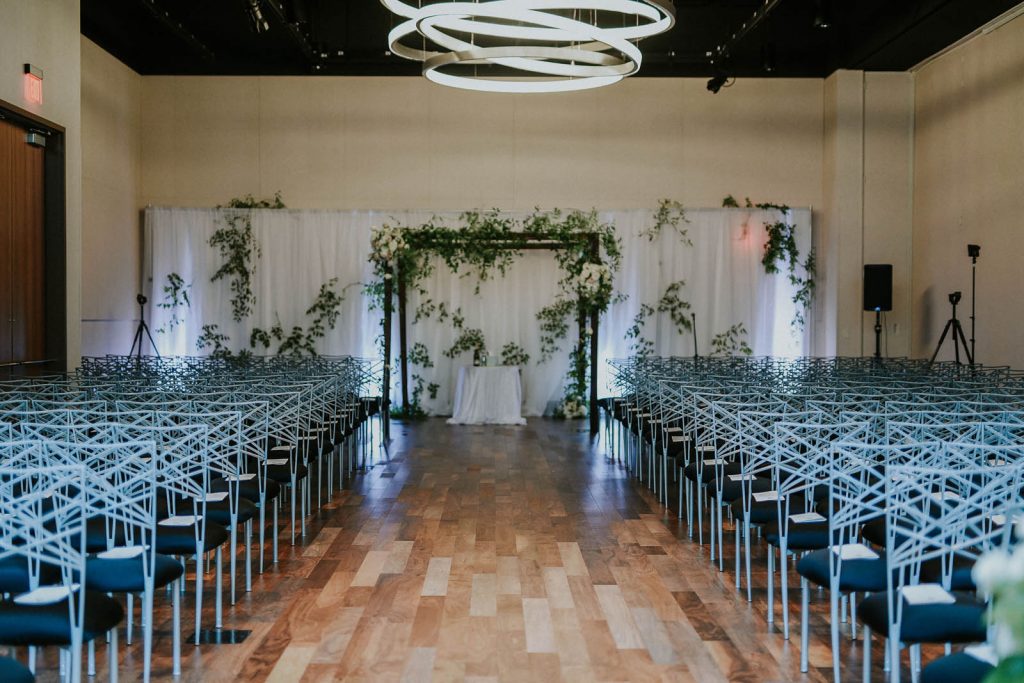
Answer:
[(781, 253), (514, 354), (239, 250), (731, 342), (175, 296), (670, 214)]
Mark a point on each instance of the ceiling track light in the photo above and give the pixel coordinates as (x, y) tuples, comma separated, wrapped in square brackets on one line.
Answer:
[(255, 12), (822, 14), (527, 46)]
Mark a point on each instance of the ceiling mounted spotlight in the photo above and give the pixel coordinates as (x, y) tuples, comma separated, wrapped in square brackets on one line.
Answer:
[(527, 46), (255, 12), (822, 14), (716, 83)]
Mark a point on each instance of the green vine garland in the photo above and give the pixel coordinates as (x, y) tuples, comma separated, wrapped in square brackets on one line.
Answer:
[(240, 250), (780, 251), (175, 296), (731, 342)]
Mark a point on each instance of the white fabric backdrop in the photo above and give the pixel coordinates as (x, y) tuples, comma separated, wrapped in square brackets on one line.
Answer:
[(725, 284)]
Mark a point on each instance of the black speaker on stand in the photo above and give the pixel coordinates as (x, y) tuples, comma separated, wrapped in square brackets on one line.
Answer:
[(878, 297)]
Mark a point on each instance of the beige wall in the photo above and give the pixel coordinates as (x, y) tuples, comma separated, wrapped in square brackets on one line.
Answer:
[(111, 166), (406, 143), (969, 188), (866, 211), (45, 33)]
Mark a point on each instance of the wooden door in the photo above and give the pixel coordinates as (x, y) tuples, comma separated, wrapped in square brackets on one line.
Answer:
[(22, 267)]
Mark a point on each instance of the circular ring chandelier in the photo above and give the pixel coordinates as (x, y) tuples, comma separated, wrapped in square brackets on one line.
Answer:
[(527, 46)]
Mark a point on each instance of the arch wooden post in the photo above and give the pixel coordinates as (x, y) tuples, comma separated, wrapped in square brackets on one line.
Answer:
[(386, 379), (403, 336), (595, 317)]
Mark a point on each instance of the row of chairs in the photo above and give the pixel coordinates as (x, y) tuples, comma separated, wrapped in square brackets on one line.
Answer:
[(220, 445), (879, 480)]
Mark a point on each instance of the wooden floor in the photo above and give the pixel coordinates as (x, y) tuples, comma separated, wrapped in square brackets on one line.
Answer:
[(498, 553)]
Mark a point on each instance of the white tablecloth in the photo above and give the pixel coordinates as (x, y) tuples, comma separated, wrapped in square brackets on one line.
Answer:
[(488, 396)]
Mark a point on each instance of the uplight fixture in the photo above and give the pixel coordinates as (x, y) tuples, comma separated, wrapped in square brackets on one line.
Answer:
[(527, 46)]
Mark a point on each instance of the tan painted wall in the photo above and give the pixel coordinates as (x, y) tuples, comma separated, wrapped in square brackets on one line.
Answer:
[(111, 167), (46, 33), (406, 143), (866, 211), (969, 188)]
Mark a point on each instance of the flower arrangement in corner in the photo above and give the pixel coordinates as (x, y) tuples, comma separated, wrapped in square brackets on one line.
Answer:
[(571, 408), (386, 243), (1000, 575), (594, 284)]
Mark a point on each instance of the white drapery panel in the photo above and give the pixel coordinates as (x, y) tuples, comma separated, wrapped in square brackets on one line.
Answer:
[(725, 284)]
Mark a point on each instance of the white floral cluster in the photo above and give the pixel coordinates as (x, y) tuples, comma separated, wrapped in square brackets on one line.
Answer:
[(1000, 574), (594, 278), (573, 407), (385, 244)]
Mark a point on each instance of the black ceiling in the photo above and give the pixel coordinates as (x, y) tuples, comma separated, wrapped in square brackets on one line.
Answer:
[(349, 37)]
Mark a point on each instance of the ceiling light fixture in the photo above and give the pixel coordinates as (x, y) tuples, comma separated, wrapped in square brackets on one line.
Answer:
[(259, 22), (527, 46)]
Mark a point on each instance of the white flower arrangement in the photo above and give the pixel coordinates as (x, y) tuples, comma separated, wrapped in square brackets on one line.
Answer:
[(386, 243), (572, 407), (999, 574), (594, 278)]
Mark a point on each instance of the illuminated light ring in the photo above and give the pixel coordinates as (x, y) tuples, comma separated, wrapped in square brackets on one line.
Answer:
[(535, 62), (518, 87), (580, 65), (535, 59), (661, 19), (660, 12)]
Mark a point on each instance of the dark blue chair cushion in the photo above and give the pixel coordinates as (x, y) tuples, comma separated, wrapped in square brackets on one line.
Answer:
[(125, 575), (854, 575), (181, 540), (707, 474), (220, 512), (13, 671), (806, 536), (282, 474), (249, 489), (960, 580), (760, 513), (49, 625), (732, 490), (956, 668), (959, 622), (14, 575)]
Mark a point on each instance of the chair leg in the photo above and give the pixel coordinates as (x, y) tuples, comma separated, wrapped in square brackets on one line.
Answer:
[(199, 593), (129, 618), (176, 628), (112, 655), (219, 582), (833, 600), (233, 561), (866, 676), (784, 579), (147, 634), (248, 556), (804, 600), (746, 559), (771, 584)]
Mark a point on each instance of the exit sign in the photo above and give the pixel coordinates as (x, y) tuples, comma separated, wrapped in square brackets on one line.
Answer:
[(33, 86)]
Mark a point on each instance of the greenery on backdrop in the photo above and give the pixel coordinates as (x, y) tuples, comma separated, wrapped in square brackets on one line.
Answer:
[(239, 251), (175, 296), (484, 246), (780, 249), (731, 342)]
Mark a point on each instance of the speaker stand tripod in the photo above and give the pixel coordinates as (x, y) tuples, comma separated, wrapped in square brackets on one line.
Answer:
[(878, 335), (958, 338), (143, 328)]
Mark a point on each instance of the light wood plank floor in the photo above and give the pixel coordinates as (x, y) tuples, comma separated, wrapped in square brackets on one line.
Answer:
[(498, 553)]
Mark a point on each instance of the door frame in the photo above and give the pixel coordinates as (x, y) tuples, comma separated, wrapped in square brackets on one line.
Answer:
[(55, 325)]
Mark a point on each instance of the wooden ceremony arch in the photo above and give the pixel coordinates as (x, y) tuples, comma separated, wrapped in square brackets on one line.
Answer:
[(516, 242)]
